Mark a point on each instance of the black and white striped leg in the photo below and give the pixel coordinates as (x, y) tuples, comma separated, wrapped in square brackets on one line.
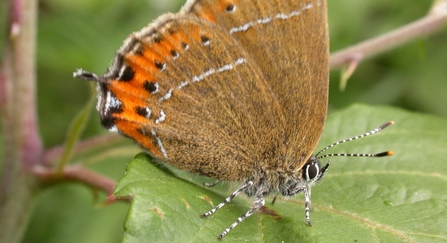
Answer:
[(227, 200), (307, 204), (211, 184), (259, 202)]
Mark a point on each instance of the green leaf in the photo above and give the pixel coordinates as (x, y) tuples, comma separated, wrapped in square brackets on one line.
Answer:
[(75, 130), (393, 199)]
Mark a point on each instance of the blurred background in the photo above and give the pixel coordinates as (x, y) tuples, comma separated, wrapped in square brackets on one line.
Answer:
[(86, 33)]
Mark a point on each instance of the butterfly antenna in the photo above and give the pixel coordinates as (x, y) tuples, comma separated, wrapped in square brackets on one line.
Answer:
[(376, 130), (87, 76)]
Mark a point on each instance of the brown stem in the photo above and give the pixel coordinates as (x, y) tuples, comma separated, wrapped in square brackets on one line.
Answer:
[(77, 174), (22, 145), (422, 27)]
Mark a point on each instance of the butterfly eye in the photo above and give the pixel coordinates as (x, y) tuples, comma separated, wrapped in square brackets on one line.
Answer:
[(312, 170)]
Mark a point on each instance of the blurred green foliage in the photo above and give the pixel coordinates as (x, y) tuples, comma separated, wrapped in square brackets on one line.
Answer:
[(86, 33)]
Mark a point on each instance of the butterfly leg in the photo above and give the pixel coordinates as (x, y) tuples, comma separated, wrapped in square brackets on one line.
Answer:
[(227, 200), (259, 202), (307, 192)]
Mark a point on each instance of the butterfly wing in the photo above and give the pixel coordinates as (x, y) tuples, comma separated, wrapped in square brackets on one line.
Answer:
[(221, 91)]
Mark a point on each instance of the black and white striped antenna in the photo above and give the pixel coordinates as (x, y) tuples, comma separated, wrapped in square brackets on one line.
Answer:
[(376, 130)]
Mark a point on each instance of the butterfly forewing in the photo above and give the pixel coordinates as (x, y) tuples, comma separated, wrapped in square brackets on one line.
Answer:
[(222, 92)]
